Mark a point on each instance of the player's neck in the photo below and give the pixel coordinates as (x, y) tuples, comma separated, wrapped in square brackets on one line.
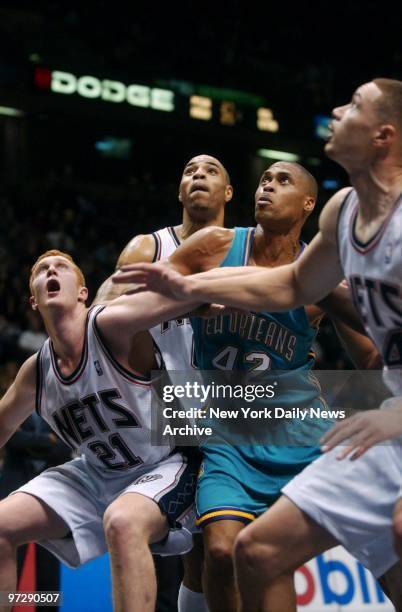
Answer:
[(378, 189), (67, 333), (273, 249), (190, 226)]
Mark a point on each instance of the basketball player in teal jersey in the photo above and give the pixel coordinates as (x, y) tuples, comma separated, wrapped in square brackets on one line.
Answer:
[(238, 483)]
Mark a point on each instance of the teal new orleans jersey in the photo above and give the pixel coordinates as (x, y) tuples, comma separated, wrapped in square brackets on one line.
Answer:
[(254, 341), (239, 482)]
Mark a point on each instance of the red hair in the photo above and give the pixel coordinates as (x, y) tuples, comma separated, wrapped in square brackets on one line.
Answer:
[(55, 252)]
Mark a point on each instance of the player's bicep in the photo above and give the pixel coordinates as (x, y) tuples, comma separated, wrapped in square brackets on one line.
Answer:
[(129, 314), (140, 249), (204, 250), (108, 291)]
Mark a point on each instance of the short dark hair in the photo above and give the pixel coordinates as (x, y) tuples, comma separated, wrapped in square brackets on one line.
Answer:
[(389, 105), (219, 162)]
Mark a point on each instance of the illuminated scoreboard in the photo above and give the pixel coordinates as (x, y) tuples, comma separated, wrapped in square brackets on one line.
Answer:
[(203, 108), (197, 103)]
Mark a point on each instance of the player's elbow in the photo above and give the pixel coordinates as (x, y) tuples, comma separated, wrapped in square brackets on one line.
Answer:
[(5, 432), (373, 361)]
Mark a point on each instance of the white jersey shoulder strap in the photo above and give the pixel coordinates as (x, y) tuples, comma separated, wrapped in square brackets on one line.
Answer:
[(166, 242)]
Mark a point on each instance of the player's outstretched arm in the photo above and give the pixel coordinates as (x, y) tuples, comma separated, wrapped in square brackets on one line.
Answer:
[(167, 281), (305, 281), (131, 313), (202, 251), (19, 401), (157, 277), (140, 249), (249, 288)]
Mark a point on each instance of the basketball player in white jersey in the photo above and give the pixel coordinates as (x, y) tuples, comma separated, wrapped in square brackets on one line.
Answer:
[(84, 385), (331, 502), (204, 192)]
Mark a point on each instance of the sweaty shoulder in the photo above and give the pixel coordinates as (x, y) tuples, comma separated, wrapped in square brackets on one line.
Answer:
[(214, 236), (329, 215), (203, 250), (141, 248)]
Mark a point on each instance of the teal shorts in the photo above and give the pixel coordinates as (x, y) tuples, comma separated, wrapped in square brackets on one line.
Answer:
[(239, 483)]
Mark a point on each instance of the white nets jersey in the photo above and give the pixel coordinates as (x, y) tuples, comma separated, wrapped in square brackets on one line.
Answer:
[(174, 338), (374, 272), (101, 410)]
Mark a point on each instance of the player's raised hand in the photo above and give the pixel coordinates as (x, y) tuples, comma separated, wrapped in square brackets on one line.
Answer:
[(361, 431), (156, 277)]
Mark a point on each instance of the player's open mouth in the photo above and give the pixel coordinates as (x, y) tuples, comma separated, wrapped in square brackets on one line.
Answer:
[(53, 285), (198, 187), (264, 201), (329, 132)]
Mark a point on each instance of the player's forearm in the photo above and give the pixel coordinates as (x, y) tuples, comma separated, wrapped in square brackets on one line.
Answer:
[(249, 288), (231, 272), (155, 309), (141, 311)]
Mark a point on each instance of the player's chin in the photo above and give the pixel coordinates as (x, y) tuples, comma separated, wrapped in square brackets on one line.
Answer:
[(329, 148), (201, 203), (202, 212), (54, 301), (262, 213)]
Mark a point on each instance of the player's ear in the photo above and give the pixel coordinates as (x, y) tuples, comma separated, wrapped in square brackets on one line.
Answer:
[(228, 193), (309, 204), (83, 295), (180, 200), (385, 135), (33, 303)]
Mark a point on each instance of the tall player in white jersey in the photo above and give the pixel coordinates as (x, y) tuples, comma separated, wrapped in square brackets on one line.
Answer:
[(204, 192), (360, 238), (122, 492)]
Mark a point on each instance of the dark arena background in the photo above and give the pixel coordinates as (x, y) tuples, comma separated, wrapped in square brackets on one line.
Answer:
[(102, 105)]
